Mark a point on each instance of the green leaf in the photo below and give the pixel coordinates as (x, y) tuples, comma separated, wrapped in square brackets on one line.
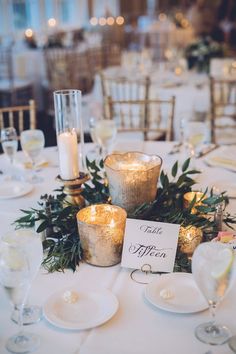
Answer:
[(42, 226), (186, 165), (174, 169)]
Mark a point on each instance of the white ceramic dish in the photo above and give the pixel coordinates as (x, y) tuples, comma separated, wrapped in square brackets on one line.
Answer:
[(90, 310), (187, 298), (13, 189)]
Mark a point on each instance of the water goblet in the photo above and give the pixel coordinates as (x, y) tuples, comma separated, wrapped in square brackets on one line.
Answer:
[(213, 268), (96, 150), (9, 144), (32, 143), (105, 131), (195, 138), (21, 255)]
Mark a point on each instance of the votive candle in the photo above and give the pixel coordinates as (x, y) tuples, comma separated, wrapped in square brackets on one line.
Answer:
[(101, 230), (132, 178), (188, 198)]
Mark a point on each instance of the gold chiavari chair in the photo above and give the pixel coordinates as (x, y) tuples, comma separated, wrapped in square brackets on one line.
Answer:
[(80, 74), (153, 117), (111, 55), (95, 58), (20, 117), (128, 102), (13, 90), (122, 89), (66, 69), (223, 110), (56, 60)]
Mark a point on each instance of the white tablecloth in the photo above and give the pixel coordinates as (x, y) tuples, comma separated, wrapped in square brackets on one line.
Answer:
[(137, 327)]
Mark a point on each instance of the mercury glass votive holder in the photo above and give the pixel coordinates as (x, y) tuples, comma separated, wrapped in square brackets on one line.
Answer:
[(132, 178), (101, 229), (189, 238), (188, 198)]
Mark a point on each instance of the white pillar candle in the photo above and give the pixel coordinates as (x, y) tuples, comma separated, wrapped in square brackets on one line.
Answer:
[(68, 155)]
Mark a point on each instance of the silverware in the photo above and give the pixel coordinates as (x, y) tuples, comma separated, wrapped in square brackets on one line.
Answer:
[(175, 149), (207, 150)]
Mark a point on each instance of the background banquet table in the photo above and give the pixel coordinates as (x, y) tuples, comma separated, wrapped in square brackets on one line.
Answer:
[(137, 327)]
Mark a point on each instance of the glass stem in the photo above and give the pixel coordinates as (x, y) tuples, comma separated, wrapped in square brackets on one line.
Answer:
[(213, 311), (20, 318), (212, 328)]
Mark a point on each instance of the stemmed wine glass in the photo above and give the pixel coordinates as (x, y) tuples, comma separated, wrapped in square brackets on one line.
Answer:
[(105, 132), (195, 137), (21, 255), (213, 268), (32, 143), (9, 144), (96, 150)]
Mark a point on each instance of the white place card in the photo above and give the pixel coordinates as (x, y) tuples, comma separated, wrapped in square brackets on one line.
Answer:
[(150, 242)]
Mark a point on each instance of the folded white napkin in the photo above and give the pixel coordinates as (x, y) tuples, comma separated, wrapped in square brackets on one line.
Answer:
[(224, 156)]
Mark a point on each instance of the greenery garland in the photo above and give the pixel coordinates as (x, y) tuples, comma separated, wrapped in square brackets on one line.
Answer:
[(56, 218)]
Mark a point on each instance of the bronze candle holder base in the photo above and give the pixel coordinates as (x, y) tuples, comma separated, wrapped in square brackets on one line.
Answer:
[(73, 189)]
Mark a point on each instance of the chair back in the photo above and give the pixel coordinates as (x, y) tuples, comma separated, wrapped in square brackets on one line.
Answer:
[(95, 59), (223, 110), (153, 117), (111, 55), (68, 69), (20, 117), (57, 68), (122, 89)]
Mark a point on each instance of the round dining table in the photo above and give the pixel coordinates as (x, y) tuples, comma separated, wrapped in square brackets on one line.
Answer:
[(137, 326)]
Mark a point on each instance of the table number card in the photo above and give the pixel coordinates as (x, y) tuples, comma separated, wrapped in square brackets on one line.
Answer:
[(150, 242)]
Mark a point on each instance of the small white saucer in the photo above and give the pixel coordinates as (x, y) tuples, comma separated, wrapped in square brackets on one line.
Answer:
[(90, 310), (187, 298), (14, 189)]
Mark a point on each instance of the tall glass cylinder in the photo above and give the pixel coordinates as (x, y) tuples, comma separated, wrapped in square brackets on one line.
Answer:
[(69, 128)]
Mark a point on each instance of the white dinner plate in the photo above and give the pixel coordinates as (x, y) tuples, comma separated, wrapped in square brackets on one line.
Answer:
[(90, 310), (13, 189), (187, 298)]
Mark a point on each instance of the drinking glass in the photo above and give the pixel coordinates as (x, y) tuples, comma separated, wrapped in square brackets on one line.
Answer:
[(105, 133), (213, 268), (21, 255), (96, 150), (32, 143), (195, 136), (9, 144)]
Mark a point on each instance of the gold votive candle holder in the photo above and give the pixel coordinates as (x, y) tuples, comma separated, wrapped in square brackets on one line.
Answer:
[(188, 198), (101, 230), (132, 178), (189, 238)]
